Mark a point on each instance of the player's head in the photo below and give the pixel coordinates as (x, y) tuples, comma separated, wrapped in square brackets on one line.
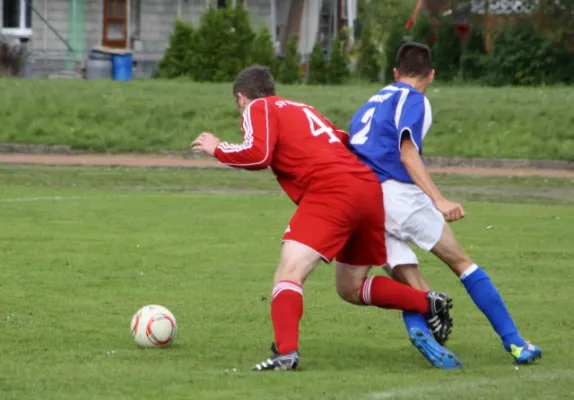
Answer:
[(253, 83), (414, 65)]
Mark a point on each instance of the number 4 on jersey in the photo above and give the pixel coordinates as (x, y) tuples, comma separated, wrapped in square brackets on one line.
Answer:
[(318, 127)]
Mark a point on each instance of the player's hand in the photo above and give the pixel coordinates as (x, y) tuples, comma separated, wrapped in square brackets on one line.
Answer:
[(205, 143), (451, 211)]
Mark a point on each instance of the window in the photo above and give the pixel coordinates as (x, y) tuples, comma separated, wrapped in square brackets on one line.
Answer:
[(221, 3), (115, 23), (17, 18)]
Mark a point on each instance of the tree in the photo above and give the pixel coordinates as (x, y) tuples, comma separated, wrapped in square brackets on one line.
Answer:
[(447, 50), (290, 65), (522, 55), (244, 35), (473, 55), (317, 66), (368, 57), (224, 44), (178, 57), (214, 44), (392, 46), (338, 65), (263, 51), (423, 30)]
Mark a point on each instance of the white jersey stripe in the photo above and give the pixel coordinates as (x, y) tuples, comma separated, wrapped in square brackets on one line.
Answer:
[(400, 105), (248, 141)]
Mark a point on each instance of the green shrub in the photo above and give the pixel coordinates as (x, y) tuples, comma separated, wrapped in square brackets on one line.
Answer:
[(291, 63), (447, 50), (244, 36), (224, 44), (214, 40), (423, 30), (392, 46), (368, 68), (338, 65), (523, 56), (473, 56), (317, 66), (263, 51), (177, 60)]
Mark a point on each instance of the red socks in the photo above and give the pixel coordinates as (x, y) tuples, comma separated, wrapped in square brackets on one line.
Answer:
[(383, 292), (286, 312), (379, 291)]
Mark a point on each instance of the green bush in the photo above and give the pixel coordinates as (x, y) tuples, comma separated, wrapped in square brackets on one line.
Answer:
[(472, 59), (562, 64), (447, 50), (317, 66), (392, 46), (368, 68), (423, 30), (291, 63), (523, 56), (214, 42), (263, 51), (224, 42), (178, 58), (338, 65), (244, 36)]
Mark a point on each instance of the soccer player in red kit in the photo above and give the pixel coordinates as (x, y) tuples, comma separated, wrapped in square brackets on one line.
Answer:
[(339, 214)]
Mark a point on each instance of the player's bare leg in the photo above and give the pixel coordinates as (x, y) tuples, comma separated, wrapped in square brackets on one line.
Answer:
[(354, 286), (297, 262), (409, 274)]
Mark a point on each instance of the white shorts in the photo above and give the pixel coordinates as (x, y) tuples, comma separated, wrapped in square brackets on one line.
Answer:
[(410, 218)]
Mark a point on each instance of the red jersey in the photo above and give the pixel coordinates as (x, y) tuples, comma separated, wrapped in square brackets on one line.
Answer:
[(298, 143)]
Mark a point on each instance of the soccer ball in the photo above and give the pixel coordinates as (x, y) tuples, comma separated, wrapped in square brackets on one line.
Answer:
[(153, 326)]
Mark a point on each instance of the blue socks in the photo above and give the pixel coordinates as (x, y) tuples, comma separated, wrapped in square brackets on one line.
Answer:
[(489, 301), (415, 320)]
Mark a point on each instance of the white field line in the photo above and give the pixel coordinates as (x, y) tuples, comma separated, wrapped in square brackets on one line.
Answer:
[(142, 194), (51, 198), (462, 386)]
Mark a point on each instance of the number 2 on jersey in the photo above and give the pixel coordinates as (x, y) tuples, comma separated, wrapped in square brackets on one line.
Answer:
[(361, 136), (318, 127)]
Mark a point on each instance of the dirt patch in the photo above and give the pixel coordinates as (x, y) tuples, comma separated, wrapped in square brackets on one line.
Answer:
[(437, 165)]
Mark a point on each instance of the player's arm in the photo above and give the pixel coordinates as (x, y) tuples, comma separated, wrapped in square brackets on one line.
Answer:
[(259, 134), (410, 125)]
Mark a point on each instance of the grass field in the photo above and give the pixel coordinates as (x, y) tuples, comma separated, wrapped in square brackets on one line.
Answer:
[(159, 115), (81, 249)]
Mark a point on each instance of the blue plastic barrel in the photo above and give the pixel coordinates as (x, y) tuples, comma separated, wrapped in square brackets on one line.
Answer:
[(122, 67)]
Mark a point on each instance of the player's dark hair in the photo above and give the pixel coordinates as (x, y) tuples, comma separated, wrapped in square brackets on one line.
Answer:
[(254, 82), (414, 60)]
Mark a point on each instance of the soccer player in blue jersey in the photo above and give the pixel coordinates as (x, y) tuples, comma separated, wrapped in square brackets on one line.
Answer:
[(387, 134)]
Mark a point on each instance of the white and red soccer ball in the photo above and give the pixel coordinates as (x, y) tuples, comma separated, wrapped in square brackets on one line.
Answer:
[(153, 326)]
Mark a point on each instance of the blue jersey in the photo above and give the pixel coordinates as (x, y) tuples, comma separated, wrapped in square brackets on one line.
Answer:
[(377, 128)]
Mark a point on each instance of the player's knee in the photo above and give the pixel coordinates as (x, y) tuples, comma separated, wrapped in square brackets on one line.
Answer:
[(290, 271), (349, 291)]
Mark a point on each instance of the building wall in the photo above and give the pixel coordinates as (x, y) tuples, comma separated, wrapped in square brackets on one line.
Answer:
[(149, 31), (93, 24), (43, 39), (260, 11)]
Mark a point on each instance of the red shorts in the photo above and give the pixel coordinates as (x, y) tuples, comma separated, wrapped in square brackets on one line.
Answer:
[(343, 219)]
